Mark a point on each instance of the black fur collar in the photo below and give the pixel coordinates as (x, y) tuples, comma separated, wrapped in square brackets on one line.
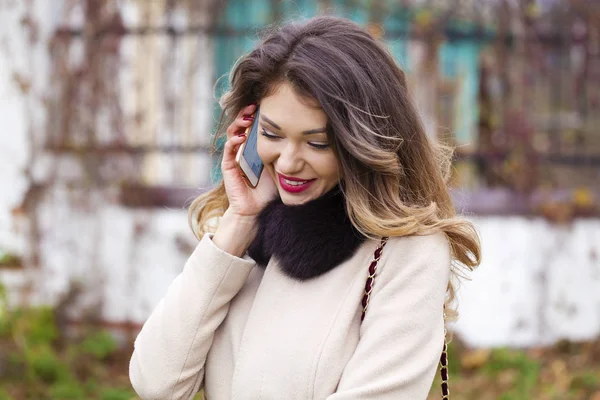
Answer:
[(308, 239)]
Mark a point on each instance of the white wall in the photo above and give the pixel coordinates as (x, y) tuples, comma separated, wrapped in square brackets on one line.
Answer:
[(24, 75), (538, 283)]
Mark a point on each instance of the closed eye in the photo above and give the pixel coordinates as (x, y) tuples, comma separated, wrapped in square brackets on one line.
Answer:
[(269, 135), (319, 146)]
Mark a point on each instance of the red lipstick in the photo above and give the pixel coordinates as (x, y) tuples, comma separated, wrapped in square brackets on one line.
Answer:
[(298, 185)]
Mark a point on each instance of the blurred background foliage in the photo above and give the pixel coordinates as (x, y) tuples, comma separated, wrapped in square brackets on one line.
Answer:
[(41, 359)]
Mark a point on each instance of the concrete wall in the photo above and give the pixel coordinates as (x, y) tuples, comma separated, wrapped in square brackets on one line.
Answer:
[(538, 283)]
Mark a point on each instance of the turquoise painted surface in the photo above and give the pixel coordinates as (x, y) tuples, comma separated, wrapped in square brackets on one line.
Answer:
[(460, 62), (458, 59), (396, 26), (240, 17)]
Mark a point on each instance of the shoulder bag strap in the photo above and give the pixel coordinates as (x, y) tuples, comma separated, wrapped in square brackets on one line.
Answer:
[(365, 303)]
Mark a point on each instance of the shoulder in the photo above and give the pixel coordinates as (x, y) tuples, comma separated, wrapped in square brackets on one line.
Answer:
[(426, 257), (435, 245)]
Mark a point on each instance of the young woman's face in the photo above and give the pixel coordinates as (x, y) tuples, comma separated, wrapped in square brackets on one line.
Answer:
[(293, 146)]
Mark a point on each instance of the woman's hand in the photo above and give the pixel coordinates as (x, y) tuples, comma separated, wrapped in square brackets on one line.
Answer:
[(243, 200)]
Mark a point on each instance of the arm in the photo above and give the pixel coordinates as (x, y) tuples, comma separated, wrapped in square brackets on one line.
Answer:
[(170, 351), (403, 331)]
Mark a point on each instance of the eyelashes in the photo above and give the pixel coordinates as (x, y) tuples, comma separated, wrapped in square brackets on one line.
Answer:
[(268, 135), (318, 146), (275, 137)]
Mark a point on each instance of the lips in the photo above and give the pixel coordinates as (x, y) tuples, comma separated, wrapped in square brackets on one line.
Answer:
[(293, 184)]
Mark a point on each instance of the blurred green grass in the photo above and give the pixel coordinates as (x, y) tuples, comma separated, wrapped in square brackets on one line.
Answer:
[(565, 371), (39, 361)]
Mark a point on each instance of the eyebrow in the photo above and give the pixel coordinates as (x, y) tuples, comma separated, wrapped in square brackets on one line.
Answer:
[(308, 132)]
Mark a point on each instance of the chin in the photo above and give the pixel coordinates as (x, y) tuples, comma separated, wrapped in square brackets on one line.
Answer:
[(294, 199)]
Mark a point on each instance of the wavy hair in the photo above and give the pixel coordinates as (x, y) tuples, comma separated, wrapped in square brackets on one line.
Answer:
[(395, 177)]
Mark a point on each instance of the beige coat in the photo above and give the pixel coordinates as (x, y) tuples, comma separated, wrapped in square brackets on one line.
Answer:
[(242, 332)]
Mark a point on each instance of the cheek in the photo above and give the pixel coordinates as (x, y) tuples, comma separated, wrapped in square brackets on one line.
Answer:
[(327, 166), (265, 152)]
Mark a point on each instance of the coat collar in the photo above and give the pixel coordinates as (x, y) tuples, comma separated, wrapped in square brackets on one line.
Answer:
[(307, 240)]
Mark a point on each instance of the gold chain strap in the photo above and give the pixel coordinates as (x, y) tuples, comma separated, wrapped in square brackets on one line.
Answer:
[(365, 304), (444, 364)]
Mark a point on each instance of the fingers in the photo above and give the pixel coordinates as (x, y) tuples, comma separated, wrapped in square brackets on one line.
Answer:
[(229, 151), (242, 121)]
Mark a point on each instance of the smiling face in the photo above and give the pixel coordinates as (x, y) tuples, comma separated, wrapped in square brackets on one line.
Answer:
[(294, 148)]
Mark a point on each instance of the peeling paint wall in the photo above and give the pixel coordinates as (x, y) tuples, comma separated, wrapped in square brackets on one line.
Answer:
[(61, 204), (24, 74)]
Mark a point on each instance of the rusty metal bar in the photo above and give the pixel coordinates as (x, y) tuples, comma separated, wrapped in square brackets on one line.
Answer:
[(123, 326), (144, 196), (477, 34), (577, 160), (591, 160), (142, 149)]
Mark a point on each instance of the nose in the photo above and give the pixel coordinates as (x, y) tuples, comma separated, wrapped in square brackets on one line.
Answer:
[(290, 160)]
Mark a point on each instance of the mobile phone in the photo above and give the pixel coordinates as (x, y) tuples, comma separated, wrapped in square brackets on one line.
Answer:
[(247, 159)]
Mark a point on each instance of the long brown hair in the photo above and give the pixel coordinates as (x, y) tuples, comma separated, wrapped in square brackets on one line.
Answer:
[(395, 177)]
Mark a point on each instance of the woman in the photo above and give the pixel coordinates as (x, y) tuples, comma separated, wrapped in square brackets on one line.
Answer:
[(269, 305)]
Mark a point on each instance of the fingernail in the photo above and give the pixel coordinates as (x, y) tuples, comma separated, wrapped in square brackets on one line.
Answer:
[(248, 118)]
